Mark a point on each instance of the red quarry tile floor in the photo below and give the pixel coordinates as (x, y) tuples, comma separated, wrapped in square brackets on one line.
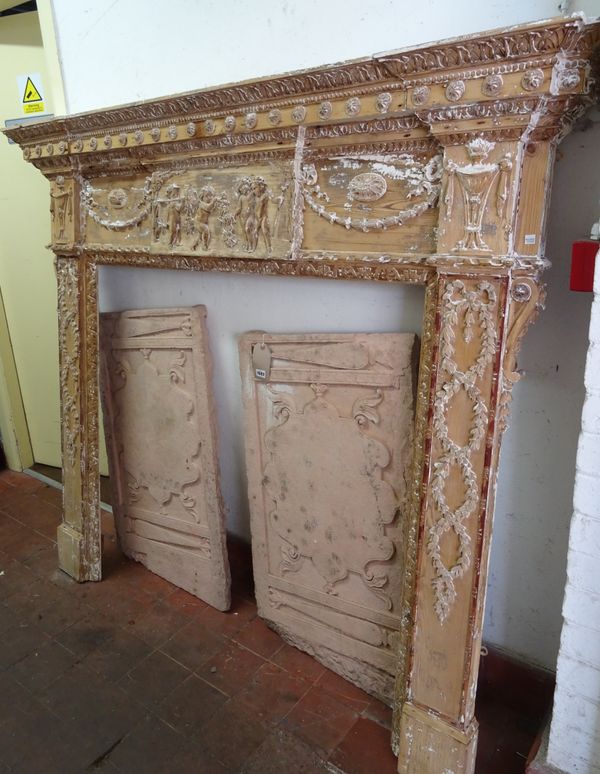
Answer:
[(135, 675)]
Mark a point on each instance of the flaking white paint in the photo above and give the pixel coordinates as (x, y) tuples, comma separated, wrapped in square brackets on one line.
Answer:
[(113, 53)]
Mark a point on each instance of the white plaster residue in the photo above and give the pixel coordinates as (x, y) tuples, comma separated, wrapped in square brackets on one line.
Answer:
[(347, 163), (132, 56), (390, 171)]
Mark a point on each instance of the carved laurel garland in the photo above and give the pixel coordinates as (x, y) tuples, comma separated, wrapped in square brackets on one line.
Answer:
[(142, 207), (421, 179), (477, 308)]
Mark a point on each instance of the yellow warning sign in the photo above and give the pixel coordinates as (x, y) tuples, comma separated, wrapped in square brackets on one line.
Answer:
[(33, 102), (31, 93)]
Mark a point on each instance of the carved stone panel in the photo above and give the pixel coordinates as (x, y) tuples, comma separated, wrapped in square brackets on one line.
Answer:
[(329, 429), (355, 202), (242, 211), (162, 447)]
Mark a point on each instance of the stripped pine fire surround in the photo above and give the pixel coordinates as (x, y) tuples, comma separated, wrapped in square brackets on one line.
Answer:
[(429, 166)]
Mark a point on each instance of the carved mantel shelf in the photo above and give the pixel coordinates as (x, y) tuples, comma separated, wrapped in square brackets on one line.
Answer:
[(429, 166)]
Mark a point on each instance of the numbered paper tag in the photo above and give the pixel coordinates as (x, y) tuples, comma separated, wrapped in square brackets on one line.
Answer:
[(261, 361)]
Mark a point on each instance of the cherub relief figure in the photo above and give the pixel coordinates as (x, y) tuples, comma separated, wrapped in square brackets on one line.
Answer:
[(158, 224), (252, 212), (206, 204), (189, 210), (60, 208), (244, 212), (262, 199), (174, 205), (281, 223)]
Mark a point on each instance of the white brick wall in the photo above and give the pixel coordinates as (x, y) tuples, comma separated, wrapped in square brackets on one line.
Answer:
[(574, 744)]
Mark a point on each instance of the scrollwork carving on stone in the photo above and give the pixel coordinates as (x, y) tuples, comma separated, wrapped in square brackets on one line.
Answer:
[(322, 553), (163, 478), (471, 312)]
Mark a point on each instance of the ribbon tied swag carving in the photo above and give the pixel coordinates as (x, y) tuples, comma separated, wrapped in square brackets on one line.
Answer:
[(428, 166)]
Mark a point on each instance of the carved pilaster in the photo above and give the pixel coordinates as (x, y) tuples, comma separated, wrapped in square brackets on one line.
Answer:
[(455, 513), (64, 211), (79, 534)]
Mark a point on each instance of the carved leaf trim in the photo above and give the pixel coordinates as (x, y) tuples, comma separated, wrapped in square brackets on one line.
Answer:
[(476, 305)]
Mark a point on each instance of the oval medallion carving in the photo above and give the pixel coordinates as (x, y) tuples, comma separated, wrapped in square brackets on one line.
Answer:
[(455, 90), (299, 114), (367, 187), (420, 95), (118, 198), (532, 80)]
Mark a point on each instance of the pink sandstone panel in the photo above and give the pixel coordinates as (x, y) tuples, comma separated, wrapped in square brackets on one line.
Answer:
[(161, 440), (329, 430)]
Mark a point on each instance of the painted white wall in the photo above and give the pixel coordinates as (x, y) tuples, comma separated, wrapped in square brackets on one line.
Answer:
[(113, 52), (236, 304)]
